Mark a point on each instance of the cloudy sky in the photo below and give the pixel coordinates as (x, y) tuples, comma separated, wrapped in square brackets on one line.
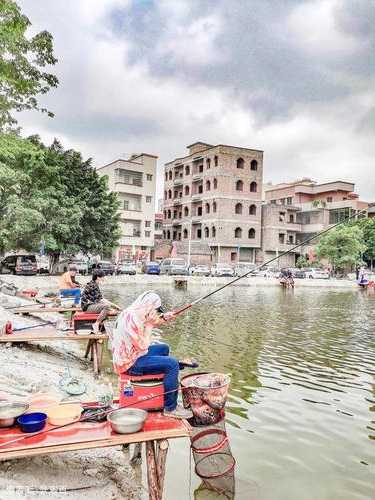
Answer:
[(295, 78)]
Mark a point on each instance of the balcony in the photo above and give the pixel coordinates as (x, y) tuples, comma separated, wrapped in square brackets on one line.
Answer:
[(130, 182), (136, 234), (196, 197), (178, 182), (197, 177), (177, 202)]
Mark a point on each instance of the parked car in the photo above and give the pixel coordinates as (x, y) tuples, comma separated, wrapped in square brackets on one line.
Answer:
[(81, 265), (126, 268), (201, 270), (43, 264), (174, 267), (151, 268), (106, 266), (244, 267), (222, 270), (20, 265), (317, 274), (299, 273), (269, 272)]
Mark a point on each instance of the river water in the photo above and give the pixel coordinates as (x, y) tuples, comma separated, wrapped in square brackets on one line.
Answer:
[(301, 412)]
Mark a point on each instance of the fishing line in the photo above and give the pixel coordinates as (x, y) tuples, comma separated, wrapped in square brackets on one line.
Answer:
[(200, 299)]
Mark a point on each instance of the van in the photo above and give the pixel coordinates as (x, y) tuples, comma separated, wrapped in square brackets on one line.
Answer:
[(25, 265), (174, 267)]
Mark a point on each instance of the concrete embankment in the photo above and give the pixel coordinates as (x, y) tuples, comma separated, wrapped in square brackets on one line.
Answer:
[(52, 282)]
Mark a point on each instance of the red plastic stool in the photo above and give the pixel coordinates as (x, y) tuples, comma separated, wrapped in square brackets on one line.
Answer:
[(83, 320), (148, 391)]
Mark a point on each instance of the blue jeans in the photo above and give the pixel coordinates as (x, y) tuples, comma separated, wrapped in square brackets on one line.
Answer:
[(72, 292), (157, 360)]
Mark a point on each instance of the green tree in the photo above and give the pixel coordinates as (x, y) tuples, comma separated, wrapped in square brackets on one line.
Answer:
[(23, 61), (49, 194), (368, 228), (302, 262), (343, 247)]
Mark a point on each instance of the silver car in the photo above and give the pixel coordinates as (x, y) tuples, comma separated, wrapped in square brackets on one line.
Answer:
[(222, 270), (174, 267), (201, 271)]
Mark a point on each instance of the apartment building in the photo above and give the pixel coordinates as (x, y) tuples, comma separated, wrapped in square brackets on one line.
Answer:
[(213, 196), (134, 182), (294, 212)]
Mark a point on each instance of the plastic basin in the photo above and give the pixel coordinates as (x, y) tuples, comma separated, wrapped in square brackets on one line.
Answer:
[(32, 422)]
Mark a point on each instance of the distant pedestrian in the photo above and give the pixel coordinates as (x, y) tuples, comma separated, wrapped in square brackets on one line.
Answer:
[(68, 285)]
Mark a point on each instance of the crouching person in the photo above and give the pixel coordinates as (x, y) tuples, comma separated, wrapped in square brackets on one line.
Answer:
[(92, 300)]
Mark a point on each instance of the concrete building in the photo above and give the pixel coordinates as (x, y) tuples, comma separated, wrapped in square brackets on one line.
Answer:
[(294, 212), (213, 197), (134, 181), (158, 235)]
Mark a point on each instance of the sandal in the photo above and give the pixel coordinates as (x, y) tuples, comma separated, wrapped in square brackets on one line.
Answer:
[(188, 363)]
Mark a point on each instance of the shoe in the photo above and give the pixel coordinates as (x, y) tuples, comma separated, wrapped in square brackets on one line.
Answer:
[(178, 412)]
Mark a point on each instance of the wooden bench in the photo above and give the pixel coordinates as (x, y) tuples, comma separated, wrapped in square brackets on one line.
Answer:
[(84, 435), (95, 342)]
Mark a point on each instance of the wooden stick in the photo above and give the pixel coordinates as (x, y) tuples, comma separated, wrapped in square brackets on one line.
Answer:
[(95, 357), (160, 463), (88, 348), (152, 475)]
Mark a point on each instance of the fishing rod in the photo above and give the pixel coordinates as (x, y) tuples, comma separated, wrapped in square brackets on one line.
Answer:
[(104, 413), (203, 297)]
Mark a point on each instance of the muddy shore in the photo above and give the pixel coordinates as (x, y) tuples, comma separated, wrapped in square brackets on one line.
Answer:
[(32, 367)]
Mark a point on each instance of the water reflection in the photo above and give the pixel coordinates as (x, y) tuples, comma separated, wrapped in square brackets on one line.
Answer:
[(302, 398)]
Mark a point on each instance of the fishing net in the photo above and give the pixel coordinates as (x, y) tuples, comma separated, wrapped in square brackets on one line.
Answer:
[(214, 462)]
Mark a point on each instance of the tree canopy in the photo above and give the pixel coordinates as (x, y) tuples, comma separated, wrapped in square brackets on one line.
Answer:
[(343, 247), (23, 61), (51, 194)]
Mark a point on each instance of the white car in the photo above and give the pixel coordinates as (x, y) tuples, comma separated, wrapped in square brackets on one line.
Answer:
[(222, 270), (201, 271), (318, 274)]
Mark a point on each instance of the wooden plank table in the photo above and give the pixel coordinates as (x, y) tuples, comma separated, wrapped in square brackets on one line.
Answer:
[(95, 342), (85, 435)]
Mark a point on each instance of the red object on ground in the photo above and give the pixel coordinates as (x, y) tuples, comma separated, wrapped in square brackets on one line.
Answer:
[(8, 328), (144, 386), (29, 293)]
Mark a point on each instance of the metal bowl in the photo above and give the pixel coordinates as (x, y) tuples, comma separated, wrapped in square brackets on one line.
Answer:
[(127, 420), (10, 411)]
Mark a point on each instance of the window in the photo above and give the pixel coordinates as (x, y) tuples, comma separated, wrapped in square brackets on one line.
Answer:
[(233, 256), (273, 202), (166, 176), (253, 187), (282, 201), (186, 211), (131, 201), (208, 186), (126, 205), (175, 214), (254, 165), (148, 199), (251, 233), (213, 231), (147, 234), (214, 206), (187, 170), (238, 232), (290, 239), (281, 238), (252, 210), (199, 211), (147, 223), (291, 218), (200, 189), (168, 235), (164, 234), (185, 234), (208, 163), (165, 195), (206, 232), (128, 177), (238, 208), (339, 214), (165, 214), (199, 234), (149, 177), (180, 215), (239, 186), (169, 214), (289, 200), (175, 193), (200, 168), (207, 208), (216, 161), (169, 194), (240, 163), (281, 216), (170, 175), (187, 190), (329, 199), (215, 183)]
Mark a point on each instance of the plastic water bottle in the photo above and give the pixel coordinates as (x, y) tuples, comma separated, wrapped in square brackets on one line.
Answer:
[(128, 390)]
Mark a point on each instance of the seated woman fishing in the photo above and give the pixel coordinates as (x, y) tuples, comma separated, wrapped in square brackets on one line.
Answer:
[(133, 352)]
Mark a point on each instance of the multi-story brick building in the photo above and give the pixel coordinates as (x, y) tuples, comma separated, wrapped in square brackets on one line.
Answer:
[(134, 181), (294, 212), (213, 196)]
